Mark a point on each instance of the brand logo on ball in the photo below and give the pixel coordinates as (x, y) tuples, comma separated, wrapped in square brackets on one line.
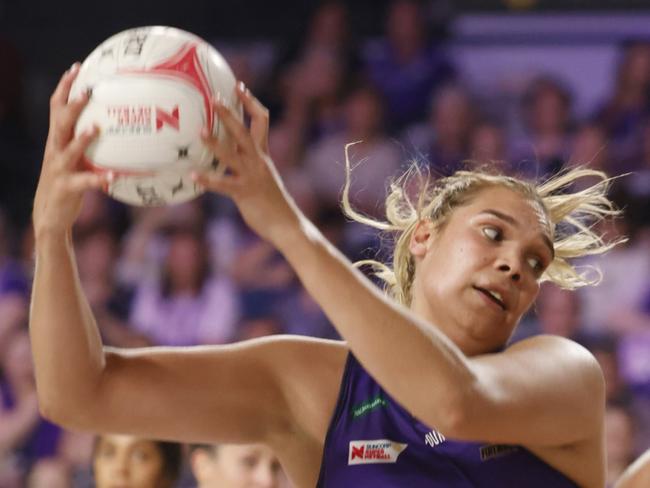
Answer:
[(379, 451), (151, 93), (167, 118), (137, 119), (128, 119)]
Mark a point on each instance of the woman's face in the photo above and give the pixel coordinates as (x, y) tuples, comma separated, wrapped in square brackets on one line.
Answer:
[(185, 260), (123, 461), (237, 466), (497, 244)]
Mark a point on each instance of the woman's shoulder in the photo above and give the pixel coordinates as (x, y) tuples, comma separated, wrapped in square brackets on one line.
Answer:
[(563, 351)]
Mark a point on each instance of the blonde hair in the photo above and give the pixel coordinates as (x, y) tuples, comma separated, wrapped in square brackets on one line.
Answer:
[(571, 218)]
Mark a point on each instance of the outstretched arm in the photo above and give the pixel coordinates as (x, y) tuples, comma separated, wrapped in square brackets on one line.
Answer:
[(237, 393)]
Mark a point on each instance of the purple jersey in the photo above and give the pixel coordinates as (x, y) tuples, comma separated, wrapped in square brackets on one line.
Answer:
[(373, 441)]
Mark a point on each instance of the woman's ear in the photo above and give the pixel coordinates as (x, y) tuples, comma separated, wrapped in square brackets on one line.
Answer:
[(421, 238)]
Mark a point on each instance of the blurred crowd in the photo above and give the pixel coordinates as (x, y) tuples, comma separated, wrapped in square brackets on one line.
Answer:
[(194, 274)]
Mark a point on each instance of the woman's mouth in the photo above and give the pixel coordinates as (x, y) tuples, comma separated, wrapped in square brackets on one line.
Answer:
[(492, 296)]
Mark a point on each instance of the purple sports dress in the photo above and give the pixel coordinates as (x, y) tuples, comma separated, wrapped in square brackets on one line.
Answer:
[(374, 442)]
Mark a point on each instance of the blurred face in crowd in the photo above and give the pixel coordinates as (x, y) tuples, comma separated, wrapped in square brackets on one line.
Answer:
[(549, 111), (96, 255), (590, 147), (186, 261), (451, 115), (635, 68), (619, 435), (122, 461), (405, 26), (364, 114), (50, 473), (236, 466), (558, 311), (329, 25), (17, 361), (487, 144)]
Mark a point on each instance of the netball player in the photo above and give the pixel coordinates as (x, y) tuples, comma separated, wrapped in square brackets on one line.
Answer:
[(423, 391)]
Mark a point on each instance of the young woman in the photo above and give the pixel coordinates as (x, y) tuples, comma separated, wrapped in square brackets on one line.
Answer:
[(424, 391), (235, 466), (127, 461)]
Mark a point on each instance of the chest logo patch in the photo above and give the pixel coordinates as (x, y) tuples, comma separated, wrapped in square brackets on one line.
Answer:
[(379, 451), (368, 406)]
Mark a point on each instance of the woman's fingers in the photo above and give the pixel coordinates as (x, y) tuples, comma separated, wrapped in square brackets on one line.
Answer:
[(63, 128), (220, 183), (224, 150), (71, 155), (60, 96), (259, 117), (235, 128), (64, 113), (80, 182)]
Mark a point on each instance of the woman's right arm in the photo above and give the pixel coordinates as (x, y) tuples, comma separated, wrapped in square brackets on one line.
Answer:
[(230, 393), (240, 393)]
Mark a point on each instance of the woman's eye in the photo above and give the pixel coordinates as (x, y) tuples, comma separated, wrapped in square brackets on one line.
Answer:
[(492, 233)]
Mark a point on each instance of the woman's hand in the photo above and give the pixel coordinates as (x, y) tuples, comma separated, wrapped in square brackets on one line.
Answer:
[(251, 179), (62, 182)]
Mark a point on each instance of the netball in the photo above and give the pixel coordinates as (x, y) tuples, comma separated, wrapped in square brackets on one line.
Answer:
[(150, 95)]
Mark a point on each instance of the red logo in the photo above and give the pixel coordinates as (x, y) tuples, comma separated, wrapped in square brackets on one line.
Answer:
[(357, 452), (166, 118)]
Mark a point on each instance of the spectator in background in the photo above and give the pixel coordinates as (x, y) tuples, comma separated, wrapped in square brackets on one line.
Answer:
[(625, 273), (14, 285), (24, 436), (405, 65), (121, 460), (13, 279), (487, 145), (97, 251), (546, 144), (50, 473), (444, 140), (619, 431), (558, 312), (375, 158), (297, 90), (623, 113), (235, 466), (637, 186), (590, 148), (605, 350), (188, 305), (263, 277)]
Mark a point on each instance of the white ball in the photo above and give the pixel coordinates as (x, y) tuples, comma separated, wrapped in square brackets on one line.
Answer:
[(150, 91)]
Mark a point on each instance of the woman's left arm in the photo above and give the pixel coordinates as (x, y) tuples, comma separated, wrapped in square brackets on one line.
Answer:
[(414, 362)]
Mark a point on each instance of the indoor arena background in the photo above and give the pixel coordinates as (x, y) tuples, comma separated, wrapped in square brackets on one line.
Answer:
[(528, 85)]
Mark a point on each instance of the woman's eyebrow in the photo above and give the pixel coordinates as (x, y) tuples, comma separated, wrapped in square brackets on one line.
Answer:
[(512, 221)]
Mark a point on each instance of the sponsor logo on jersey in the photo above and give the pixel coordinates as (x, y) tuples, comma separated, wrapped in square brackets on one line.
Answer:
[(495, 451), (379, 451), (368, 406), (434, 438)]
